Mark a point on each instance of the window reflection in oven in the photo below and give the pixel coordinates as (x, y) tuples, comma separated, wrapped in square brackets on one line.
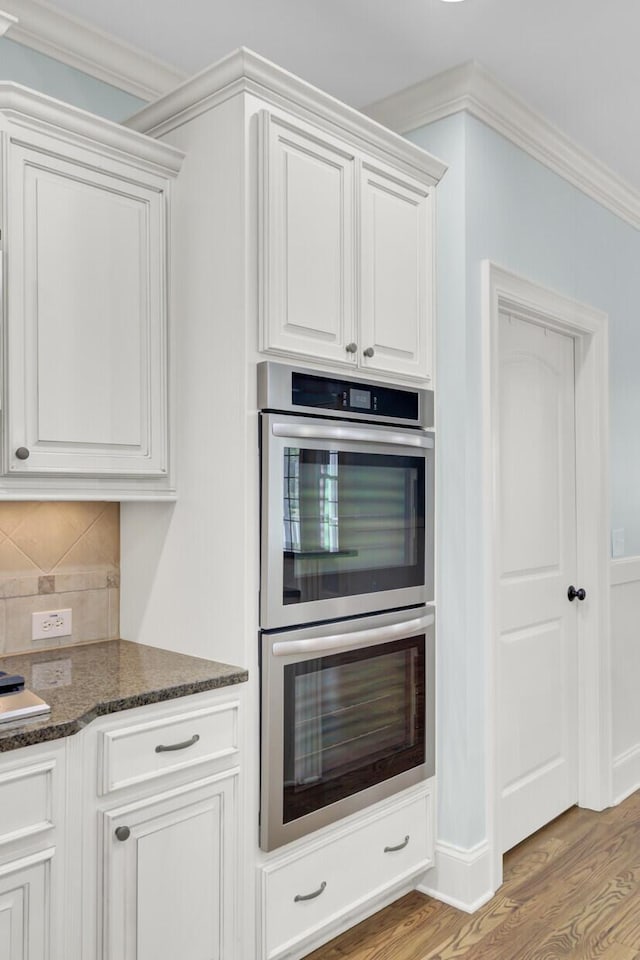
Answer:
[(351, 720), (352, 523)]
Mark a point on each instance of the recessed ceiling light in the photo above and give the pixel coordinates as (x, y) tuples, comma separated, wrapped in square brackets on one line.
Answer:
[(451, 1)]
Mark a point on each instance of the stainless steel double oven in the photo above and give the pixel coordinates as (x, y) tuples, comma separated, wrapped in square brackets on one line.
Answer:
[(347, 643)]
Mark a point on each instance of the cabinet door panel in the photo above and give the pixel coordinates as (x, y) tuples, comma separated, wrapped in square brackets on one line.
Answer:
[(307, 250), (90, 296), (24, 908), (86, 318), (396, 282), (165, 889), (178, 892)]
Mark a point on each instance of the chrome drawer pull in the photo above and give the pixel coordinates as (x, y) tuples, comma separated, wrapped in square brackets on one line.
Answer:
[(400, 846), (178, 746), (310, 896)]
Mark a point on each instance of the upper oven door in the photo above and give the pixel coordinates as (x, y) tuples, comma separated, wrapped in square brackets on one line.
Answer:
[(347, 519)]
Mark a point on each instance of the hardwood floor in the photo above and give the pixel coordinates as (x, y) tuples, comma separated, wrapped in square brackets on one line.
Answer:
[(571, 890)]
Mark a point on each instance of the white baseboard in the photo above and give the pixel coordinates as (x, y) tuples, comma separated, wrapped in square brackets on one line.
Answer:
[(626, 774), (625, 605), (461, 878)]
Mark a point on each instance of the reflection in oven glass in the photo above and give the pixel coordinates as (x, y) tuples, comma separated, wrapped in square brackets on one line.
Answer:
[(352, 523), (351, 720)]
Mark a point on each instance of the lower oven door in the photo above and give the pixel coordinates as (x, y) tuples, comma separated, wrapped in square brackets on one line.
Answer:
[(348, 718)]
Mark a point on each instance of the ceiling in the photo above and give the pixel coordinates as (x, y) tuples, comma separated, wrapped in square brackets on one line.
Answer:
[(575, 61)]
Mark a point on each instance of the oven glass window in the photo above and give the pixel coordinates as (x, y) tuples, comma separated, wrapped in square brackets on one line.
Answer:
[(351, 720), (353, 523)]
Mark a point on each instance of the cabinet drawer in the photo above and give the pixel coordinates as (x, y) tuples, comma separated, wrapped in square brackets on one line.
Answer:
[(26, 800), (354, 865), (142, 751)]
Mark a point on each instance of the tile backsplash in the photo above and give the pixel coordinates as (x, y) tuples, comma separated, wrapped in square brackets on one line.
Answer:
[(54, 556)]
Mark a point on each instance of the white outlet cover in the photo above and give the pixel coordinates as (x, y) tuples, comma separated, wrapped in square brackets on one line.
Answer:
[(617, 542), (48, 624)]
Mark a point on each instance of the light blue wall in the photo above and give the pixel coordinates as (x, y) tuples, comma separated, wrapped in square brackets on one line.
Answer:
[(498, 203), (531, 221), (23, 65)]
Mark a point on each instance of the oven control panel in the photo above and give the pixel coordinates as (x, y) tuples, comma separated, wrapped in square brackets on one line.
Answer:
[(297, 390)]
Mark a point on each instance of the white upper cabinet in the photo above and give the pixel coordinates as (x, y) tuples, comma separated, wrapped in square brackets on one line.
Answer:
[(396, 283), (345, 253), (308, 213), (85, 318), (308, 241), (86, 378)]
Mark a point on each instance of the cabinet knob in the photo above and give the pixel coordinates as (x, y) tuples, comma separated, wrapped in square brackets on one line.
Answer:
[(369, 352), (22, 453), (351, 347), (123, 833), (580, 593)]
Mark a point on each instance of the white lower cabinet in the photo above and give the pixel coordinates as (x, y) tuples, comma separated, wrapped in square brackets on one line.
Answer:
[(25, 908), (121, 841), (32, 853), (160, 831), (165, 895), (326, 885)]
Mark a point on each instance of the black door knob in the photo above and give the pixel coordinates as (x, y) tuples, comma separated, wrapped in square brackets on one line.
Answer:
[(572, 593)]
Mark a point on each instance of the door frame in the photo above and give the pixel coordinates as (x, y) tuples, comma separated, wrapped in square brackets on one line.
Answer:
[(588, 327)]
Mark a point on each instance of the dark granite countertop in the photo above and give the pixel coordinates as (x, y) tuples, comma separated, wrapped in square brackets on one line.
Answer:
[(95, 679)]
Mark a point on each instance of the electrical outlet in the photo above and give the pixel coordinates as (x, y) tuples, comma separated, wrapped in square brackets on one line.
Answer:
[(51, 623)]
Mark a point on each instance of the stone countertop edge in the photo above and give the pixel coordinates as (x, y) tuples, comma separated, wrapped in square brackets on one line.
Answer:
[(53, 726)]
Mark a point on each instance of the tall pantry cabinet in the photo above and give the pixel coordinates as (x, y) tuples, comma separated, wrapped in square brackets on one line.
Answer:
[(302, 231)]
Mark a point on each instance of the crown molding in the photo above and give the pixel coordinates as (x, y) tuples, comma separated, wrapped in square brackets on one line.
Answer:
[(27, 110), (244, 71), (6, 22), (78, 44), (472, 88)]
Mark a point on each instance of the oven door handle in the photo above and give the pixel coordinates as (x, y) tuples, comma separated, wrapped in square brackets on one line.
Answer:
[(314, 431), (340, 642)]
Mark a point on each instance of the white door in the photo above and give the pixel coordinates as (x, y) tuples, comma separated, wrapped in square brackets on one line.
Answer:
[(537, 652)]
